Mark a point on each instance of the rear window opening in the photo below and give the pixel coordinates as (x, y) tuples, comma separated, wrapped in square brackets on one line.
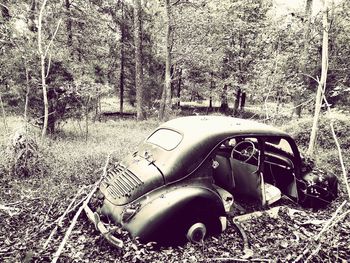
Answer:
[(166, 139)]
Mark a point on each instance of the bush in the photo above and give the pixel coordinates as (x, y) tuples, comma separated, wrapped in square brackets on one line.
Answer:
[(23, 157), (301, 130)]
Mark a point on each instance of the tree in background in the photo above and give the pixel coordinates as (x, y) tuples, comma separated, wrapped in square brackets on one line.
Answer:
[(45, 70), (298, 98), (322, 83), (232, 44), (165, 104), (140, 103)]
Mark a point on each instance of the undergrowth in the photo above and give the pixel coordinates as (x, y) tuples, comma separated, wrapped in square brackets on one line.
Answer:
[(68, 160), (71, 162)]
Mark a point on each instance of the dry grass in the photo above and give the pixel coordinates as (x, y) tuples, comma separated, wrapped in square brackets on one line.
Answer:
[(71, 162)]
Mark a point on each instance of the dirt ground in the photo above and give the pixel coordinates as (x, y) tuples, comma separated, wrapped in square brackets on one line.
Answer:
[(27, 219)]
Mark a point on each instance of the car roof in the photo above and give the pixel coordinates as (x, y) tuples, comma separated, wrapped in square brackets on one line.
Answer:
[(211, 125), (200, 136)]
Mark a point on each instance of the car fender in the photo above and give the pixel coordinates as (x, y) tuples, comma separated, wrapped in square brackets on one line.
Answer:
[(167, 215), (318, 188)]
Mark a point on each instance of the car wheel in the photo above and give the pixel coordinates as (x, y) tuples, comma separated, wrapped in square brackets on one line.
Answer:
[(196, 233)]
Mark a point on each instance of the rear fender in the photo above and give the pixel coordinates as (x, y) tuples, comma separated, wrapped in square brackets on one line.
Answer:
[(167, 216)]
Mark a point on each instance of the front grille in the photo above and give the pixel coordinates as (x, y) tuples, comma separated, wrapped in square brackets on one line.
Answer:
[(120, 182)]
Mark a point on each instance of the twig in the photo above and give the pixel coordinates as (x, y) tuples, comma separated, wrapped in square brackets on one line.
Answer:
[(326, 226), (248, 252), (52, 38), (10, 210), (340, 218), (301, 255), (74, 221), (75, 206), (60, 220), (338, 148), (48, 211), (314, 253), (3, 114), (229, 259)]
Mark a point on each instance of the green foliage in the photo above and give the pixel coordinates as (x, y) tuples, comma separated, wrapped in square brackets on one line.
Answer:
[(69, 158), (300, 130), (242, 44), (22, 157)]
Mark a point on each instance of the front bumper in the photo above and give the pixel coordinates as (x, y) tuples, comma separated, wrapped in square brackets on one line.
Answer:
[(100, 226)]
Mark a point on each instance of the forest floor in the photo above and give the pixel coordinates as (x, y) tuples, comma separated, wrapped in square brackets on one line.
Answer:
[(31, 205)]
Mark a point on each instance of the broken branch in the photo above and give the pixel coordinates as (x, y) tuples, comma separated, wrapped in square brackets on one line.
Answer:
[(326, 226), (314, 253), (76, 216), (11, 211), (60, 220), (338, 148)]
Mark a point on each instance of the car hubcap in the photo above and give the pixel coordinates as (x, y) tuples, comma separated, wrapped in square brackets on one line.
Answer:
[(196, 233)]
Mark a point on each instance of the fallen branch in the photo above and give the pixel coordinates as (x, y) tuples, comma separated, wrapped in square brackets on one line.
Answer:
[(48, 211), (300, 257), (248, 252), (338, 148), (326, 226), (61, 218), (229, 259), (11, 211), (272, 212), (313, 253), (3, 115), (74, 221)]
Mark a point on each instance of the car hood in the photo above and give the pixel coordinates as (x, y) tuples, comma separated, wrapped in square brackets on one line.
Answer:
[(130, 179)]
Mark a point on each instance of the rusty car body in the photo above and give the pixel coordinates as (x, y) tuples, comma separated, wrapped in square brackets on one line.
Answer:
[(183, 178)]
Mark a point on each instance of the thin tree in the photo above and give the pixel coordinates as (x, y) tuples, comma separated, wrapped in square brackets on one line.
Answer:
[(305, 55), (322, 83), (44, 71), (165, 105), (43, 78), (69, 27), (3, 114), (140, 107), (122, 58)]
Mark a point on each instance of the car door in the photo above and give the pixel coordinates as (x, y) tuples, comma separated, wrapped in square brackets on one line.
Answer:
[(246, 169)]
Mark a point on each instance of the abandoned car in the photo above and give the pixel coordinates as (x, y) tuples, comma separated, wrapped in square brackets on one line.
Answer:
[(184, 178)]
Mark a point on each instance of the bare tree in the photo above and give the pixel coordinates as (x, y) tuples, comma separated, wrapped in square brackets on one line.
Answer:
[(43, 78), (298, 96), (165, 104), (322, 83), (44, 71), (122, 58), (140, 104), (3, 114)]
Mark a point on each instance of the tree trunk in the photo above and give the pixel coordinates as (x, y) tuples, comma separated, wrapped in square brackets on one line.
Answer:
[(224, 103), (43, 76), (27, 96), (322, 83), (87, 119), (122, 61), (165, 106), (243, 97), (3, 114), (178, 92), (69, 29), (140, 107), (237, 101), (31, 22), (298, 96)]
